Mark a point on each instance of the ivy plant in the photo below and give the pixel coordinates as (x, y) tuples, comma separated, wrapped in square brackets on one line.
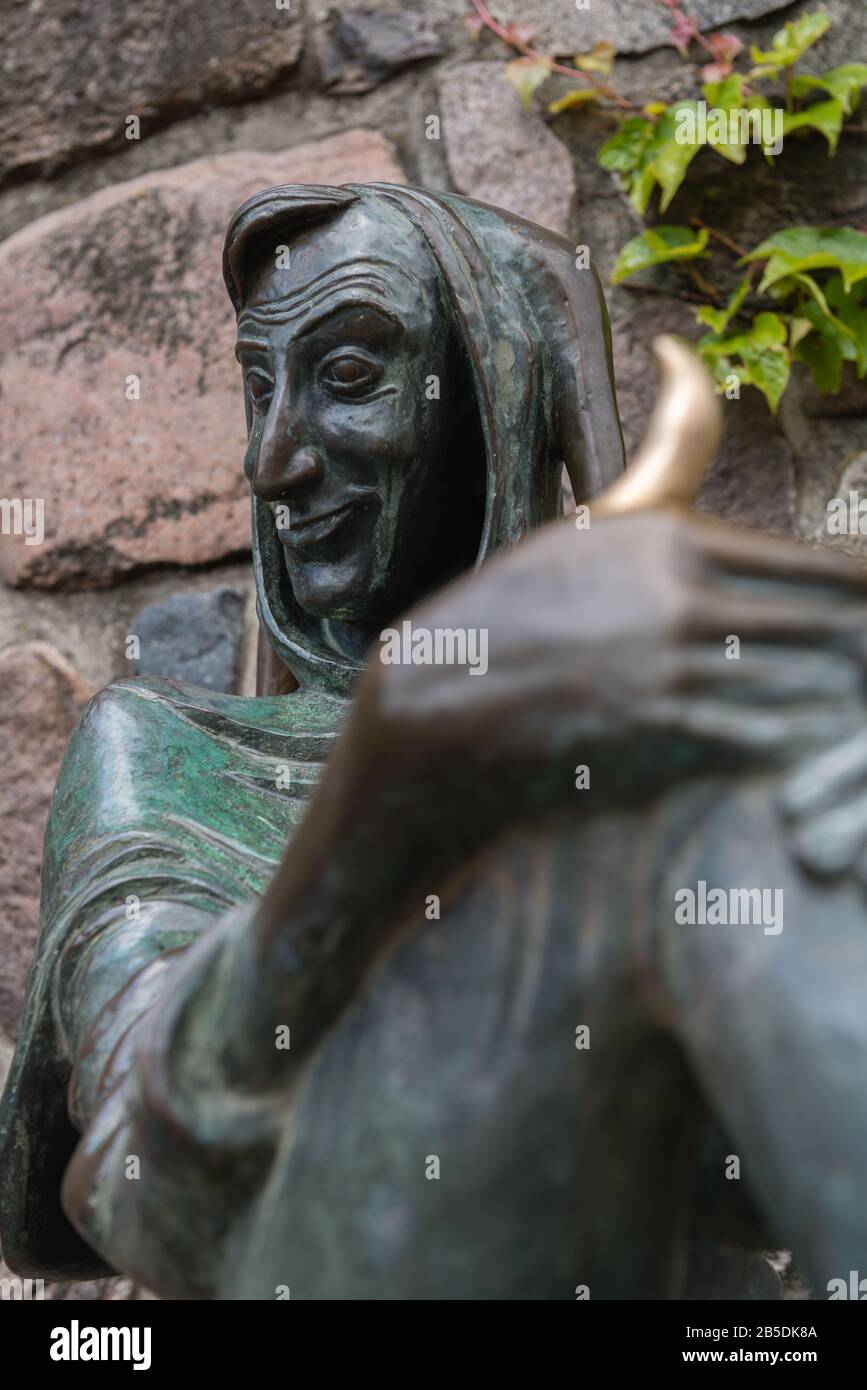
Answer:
[(803, 294)]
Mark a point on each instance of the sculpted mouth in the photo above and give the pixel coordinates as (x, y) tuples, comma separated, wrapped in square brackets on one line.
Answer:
[(310, 530)]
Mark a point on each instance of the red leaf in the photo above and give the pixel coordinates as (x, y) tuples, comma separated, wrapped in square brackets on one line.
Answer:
[(682, 34), (725, 46)]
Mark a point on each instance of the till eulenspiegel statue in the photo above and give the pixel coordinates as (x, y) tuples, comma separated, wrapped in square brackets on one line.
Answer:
[(383, 980)]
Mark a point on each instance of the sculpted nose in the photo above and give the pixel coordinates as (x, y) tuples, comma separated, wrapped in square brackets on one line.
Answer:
[(283, 462), (273, 478)]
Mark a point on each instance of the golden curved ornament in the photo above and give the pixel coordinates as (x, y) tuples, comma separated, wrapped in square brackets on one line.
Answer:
[(681, 438)]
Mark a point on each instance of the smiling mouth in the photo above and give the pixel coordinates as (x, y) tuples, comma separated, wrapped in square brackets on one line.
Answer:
[(309, 531)]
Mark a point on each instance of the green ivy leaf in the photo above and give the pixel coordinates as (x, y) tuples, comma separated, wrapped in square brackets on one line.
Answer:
[(768, 330), (790, 43), (806, 282), (837, 332), (668, 153), (719, 365), (798, 329), (770, 372), (729, 95), (824, 116), (600, 58), (526, 74), (797, 249), (719, 319), (760, 357), (851, 310), (579, 96), (843, 83), (711, 318), (656, 246), (624, 152), (822, 354), (648, 153)]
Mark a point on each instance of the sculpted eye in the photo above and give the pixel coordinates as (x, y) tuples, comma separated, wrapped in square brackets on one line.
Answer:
[(260, 388), (349, 373)]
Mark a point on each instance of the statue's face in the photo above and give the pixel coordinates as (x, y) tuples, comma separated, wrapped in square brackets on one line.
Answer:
[(356, 454)]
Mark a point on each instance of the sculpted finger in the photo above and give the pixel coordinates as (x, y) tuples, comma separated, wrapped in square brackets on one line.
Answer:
[(734, 551), (821, 781), (773, 732), (765, 674), (790, 617)]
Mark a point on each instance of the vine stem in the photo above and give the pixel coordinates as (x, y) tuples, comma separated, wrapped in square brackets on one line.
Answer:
[(695, 32), (509, 38), (724, 240), (706, 288)]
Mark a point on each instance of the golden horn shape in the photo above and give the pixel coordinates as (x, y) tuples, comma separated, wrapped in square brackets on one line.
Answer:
[(681, 439)]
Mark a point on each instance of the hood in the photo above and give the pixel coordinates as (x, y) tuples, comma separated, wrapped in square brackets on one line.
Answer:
[(536, 333)]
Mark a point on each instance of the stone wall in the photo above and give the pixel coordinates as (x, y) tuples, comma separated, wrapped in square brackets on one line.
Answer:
[(119, 396)]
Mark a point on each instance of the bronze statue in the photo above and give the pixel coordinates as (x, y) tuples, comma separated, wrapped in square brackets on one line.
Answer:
[(434, 1026)]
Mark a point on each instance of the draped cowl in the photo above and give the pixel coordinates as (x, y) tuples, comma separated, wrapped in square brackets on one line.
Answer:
[(536, 332), (174, 804)]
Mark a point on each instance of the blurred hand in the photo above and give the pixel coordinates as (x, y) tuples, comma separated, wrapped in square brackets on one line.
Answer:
[(659, 642)]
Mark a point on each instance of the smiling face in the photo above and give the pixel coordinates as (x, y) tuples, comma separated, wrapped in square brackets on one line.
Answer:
[(373, 472)]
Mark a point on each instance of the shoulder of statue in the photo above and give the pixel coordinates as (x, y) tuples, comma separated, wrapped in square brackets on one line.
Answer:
[(116, 750)]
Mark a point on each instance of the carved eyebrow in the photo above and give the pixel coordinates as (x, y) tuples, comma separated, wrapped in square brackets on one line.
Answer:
[(378, 309), (247, 344), (277, 315)]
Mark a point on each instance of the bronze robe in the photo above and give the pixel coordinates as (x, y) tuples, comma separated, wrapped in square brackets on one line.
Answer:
[(169, 815)]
